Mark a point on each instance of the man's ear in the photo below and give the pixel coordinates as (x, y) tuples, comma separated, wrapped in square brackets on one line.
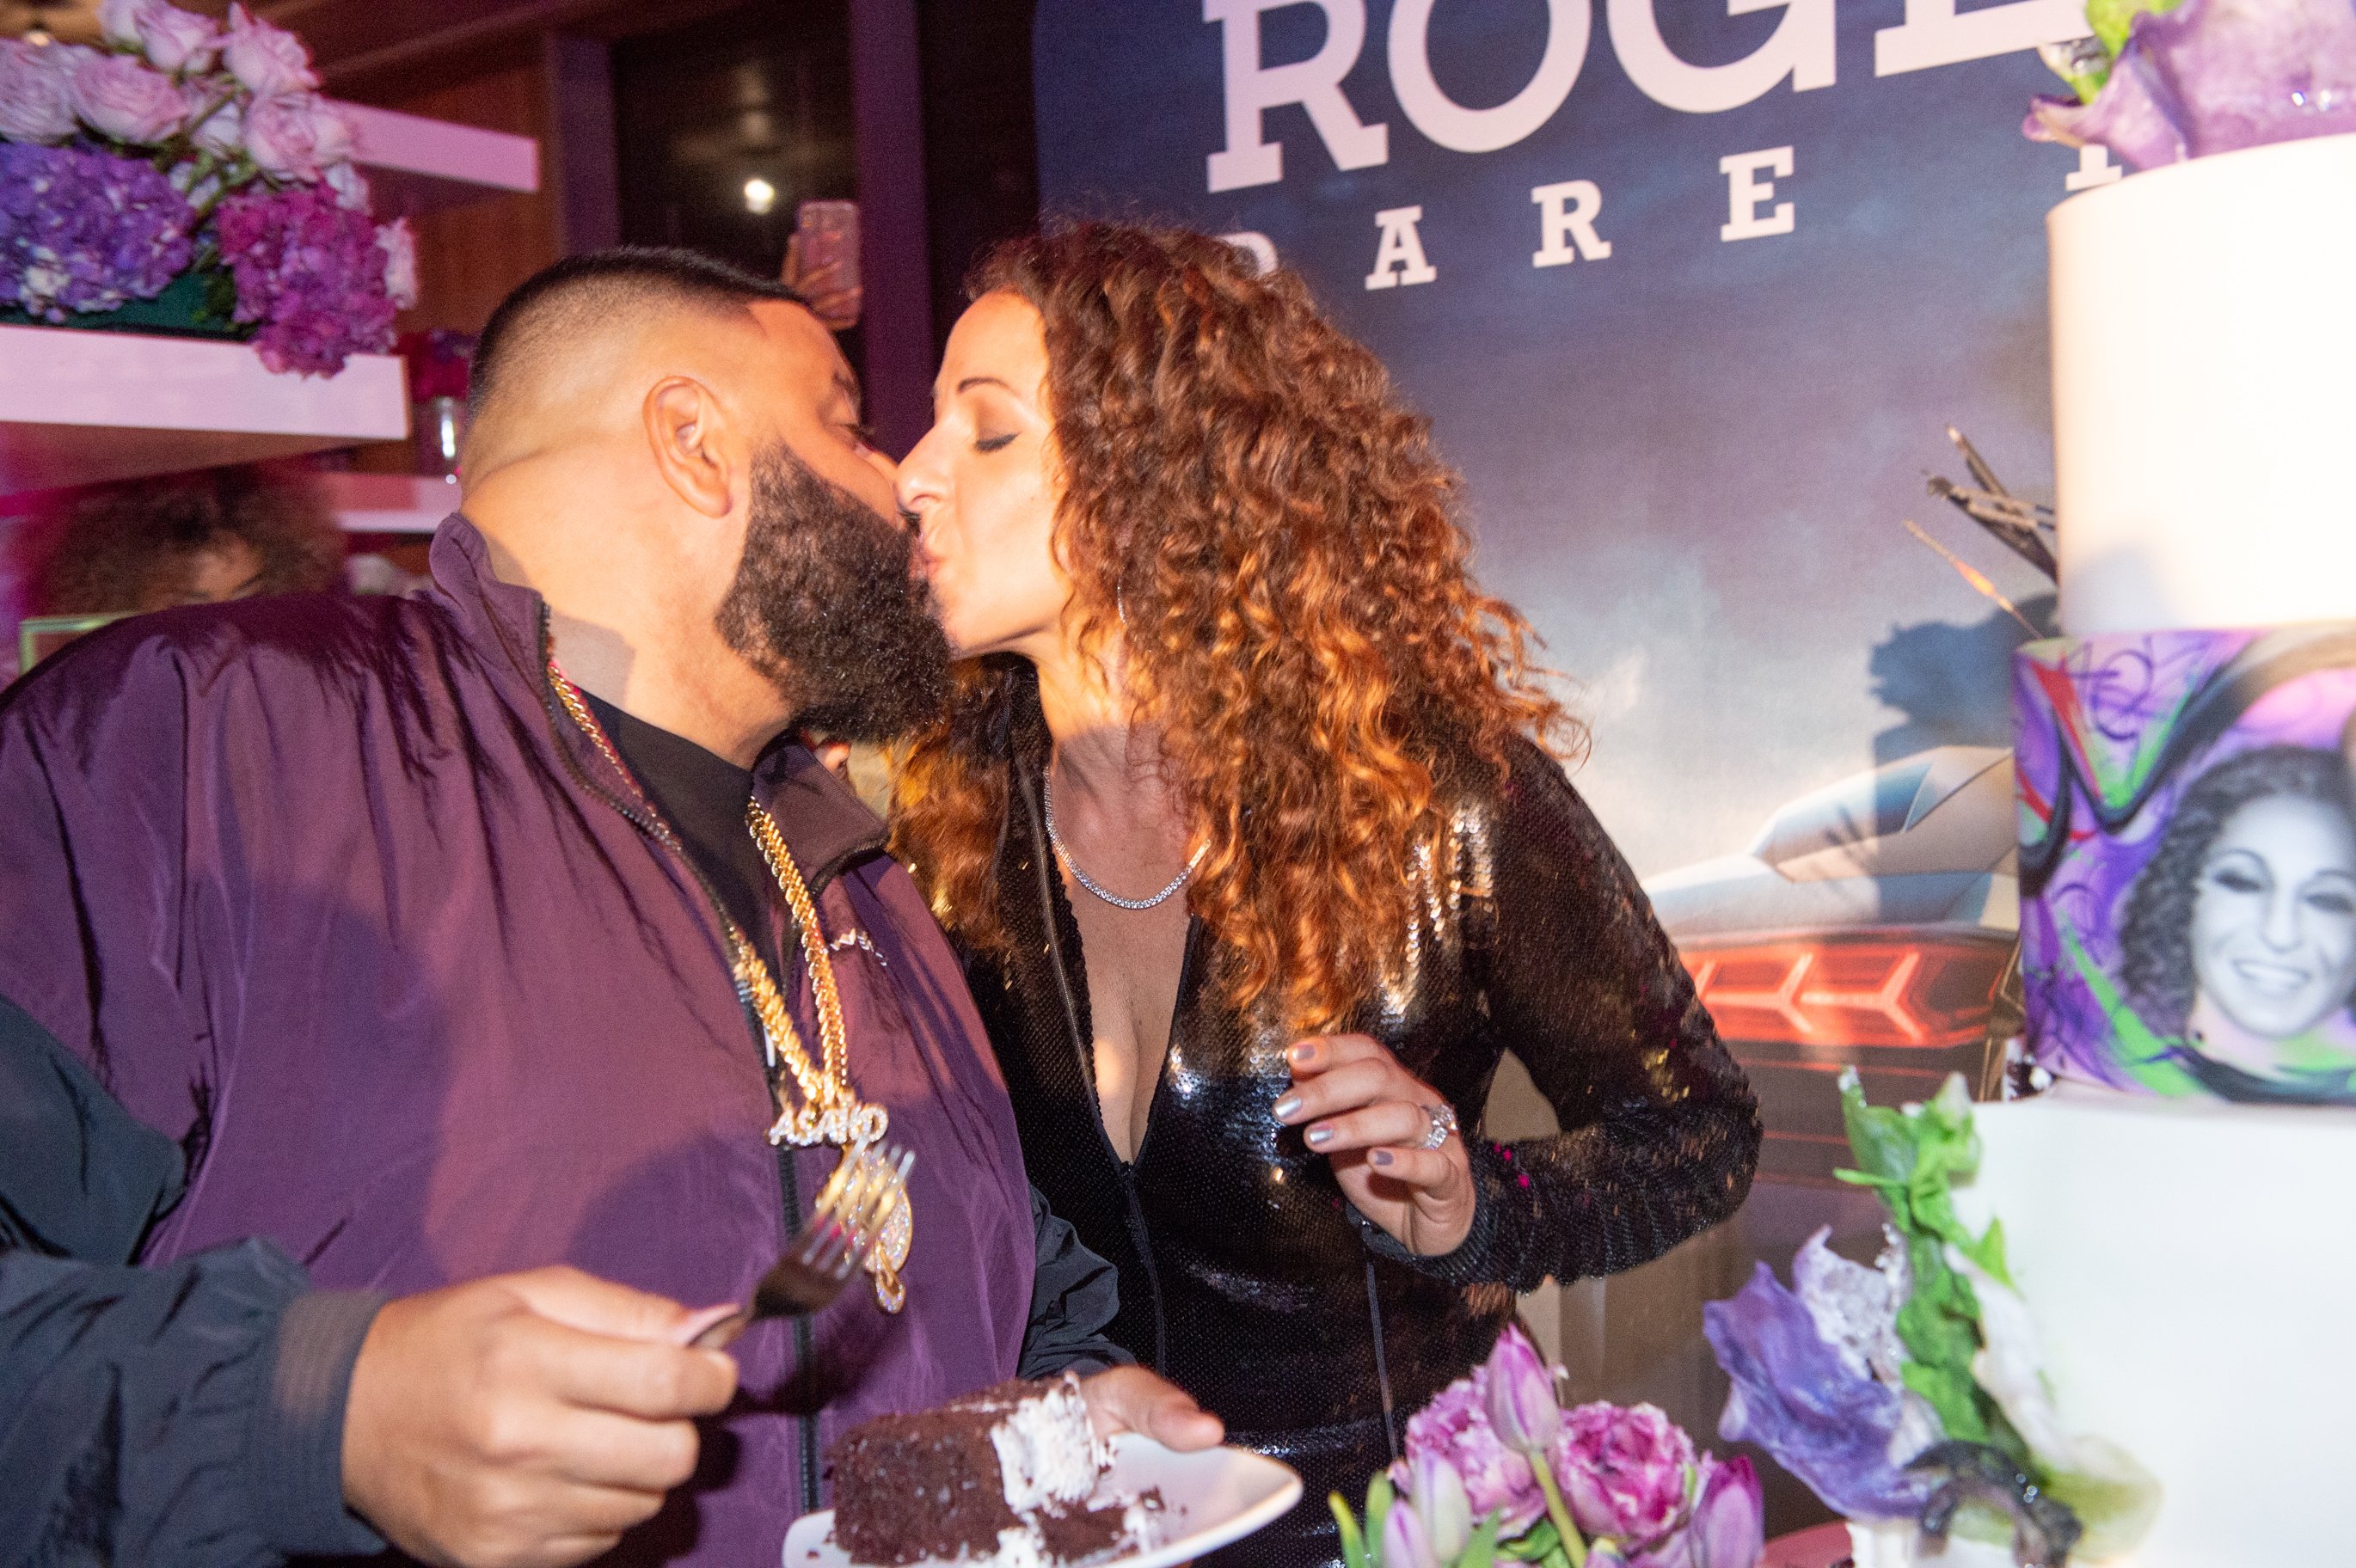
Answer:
[(688, 435)]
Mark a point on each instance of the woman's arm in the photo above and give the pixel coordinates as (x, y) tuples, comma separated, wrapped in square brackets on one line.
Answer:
[(1660, 1131)]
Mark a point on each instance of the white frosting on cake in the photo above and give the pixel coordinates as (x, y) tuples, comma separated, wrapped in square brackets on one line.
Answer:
[(1048, 1451), (2204, 392), (2190, 1269)]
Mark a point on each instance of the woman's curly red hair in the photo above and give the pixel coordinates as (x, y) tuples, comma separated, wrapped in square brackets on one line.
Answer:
[(1248, 500)]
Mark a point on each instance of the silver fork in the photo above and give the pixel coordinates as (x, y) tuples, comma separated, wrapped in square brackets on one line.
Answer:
[(845, 1227)]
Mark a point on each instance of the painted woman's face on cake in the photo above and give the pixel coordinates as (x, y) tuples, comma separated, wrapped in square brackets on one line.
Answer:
[(2274, 916)]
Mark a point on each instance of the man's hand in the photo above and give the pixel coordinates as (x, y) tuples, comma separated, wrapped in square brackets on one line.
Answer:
[(524, 1421), (1131, 1399)]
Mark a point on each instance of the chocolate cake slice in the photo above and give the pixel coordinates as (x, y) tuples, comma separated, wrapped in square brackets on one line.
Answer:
[(1002, 1476)]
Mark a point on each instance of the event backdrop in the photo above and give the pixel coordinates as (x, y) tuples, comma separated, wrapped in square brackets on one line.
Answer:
[(1691, 290)]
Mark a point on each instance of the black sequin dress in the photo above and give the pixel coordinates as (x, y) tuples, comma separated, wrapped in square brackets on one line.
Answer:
[(1245, 1277)]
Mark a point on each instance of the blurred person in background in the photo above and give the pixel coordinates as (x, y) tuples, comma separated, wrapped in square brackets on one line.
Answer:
[(183, 538)]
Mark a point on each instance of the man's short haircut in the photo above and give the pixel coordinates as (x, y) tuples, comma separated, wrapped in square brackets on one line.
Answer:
[(583, 293)]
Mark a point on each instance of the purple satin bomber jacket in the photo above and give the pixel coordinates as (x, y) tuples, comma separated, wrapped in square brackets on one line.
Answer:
[(330, 901)]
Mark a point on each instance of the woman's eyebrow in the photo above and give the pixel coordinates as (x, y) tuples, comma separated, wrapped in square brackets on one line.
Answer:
[(972, 381)]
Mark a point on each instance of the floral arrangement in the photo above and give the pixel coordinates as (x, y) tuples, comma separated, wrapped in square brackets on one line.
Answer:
[(1910, 1396), (2163, 81), (188, 175), (440, 362), (1494, 1467)]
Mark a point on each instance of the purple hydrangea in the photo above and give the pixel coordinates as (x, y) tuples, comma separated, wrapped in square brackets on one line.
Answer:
[(84, 231), (310, 271)]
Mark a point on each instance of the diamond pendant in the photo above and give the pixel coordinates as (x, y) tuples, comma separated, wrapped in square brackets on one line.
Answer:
[(892, 1255)]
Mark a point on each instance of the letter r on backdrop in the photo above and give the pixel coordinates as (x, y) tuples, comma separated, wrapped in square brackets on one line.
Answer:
[(1315, 84), (1746, 193), (1567, 218), (1399, 258)]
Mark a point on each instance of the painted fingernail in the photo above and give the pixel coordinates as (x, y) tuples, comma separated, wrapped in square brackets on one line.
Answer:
[(1302, 1053), (1319, 1137), (1285, 1109), (1380, 1156)]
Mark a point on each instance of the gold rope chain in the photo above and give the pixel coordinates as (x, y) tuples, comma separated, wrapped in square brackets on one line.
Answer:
[(830, 1111)]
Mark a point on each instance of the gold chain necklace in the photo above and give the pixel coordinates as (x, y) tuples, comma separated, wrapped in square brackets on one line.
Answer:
[(830, 1111)]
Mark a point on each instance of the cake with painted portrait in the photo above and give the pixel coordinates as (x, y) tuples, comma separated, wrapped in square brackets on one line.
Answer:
[(2174, 1200)]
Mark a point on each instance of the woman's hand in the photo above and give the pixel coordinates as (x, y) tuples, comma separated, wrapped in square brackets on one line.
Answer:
[(1371, 1117), (1132, 1399)]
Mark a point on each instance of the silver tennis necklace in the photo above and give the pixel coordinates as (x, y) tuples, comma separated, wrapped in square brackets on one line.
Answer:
[(1047, 797)]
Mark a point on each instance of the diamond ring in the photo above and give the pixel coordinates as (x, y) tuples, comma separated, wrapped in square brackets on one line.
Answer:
[(1443, 1122)]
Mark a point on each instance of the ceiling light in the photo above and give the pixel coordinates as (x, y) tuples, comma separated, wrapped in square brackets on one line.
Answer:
[(760, 195)]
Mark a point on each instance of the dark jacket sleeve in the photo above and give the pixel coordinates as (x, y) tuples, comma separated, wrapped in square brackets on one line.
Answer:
[(1073, 1298), (191, 1414), (1660, 1131)]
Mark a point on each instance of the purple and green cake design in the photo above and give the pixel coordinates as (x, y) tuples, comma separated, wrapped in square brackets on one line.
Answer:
[(2188, 860)]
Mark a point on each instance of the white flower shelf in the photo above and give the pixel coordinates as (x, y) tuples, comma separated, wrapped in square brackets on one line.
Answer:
[(80, 406), (415, 165), (77, 408)]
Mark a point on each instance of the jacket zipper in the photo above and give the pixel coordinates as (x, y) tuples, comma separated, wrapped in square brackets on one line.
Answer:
[(789, 1188)]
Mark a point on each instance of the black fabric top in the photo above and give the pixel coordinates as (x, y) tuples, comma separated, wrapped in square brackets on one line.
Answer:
[(1245, 1277), (702, 797)]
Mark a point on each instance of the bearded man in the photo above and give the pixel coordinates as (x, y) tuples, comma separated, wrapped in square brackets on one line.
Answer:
[(398, 995)]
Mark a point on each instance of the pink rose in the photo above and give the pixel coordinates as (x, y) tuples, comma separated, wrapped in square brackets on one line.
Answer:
[(37, 90), (1455, 1427), (1623, 1471), (400, 248), (222, 132), (296, 135), (171, 38), (120, 97), (268, 60)]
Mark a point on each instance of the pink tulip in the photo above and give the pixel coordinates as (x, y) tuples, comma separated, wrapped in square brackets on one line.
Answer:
[(121, 97), (1624, 1471), (1441, 1501), (1729, 1517), (1455, 1427), (1405, 1544), (1521, 1394)]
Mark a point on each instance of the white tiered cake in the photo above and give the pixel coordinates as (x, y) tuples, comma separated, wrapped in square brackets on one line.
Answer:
[(2187, 1258)]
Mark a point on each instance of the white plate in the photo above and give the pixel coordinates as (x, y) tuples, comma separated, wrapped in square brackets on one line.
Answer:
[(1208, 1500)]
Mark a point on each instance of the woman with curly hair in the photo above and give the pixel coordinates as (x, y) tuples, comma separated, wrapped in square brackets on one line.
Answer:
[(1242, 816), (2237, 946)]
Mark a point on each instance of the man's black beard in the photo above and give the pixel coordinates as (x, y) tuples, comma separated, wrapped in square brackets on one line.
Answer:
[(825, 605)]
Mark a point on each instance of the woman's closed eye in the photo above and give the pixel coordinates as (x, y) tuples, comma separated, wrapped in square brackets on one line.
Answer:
[(2238, 879), (2333, 898), (993, 442)]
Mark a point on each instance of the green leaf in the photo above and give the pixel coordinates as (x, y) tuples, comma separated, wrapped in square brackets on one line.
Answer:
[(1354, 1544), (1379, 1494), (2113, 19), (1482, 1549), (1877, 1136), (1533, 1544)]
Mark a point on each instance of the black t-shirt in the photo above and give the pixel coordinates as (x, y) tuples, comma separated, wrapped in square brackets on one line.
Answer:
[(702, 797)]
